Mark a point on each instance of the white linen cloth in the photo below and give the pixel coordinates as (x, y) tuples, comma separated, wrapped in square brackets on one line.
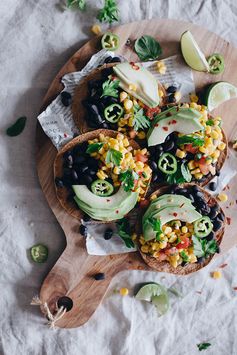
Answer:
[(36, 40)]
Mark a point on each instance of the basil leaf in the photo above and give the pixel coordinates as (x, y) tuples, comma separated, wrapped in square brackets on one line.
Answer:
[(203, 346), (17, 127), (186, 172), (147, 48), (194, 140), (94, 147), (125, 233), (113, 156)]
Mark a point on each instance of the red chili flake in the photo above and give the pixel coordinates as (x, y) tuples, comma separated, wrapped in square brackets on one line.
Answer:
[(107, 200), (117, 211), (222, 266), (174, 121), (227, 207), (157, 124), (235, 288), (165, 128), (175, 214), (228, 219), (134, 66), (65, 135), (199, 292)]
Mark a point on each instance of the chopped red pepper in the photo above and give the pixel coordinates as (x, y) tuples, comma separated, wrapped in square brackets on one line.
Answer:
[(134, 66), (222, 266), (228, 219), (165, 128), (189, 148)]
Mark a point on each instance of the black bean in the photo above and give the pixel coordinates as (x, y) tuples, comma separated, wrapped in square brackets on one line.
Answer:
[(66, 98), (190, 196), (183, 263), (168, 146), (195, 188), (182, 191), (108, 59), (106, 72), (86, 217), (212, 186), (171, 98), (69, 160), (213, 211), (83, 230), (109, 100), (59, 182), (67, 181), (88, 179), (154, 177), (153, 165), (104, 125), (66, 154), (91, 172), (99, 276), (74, 175), (205, 210), (92, 163), (199, 195), (79, 159), (94, 84), (200, 260), (159, 149), (218, 172), (171, 89), (108, 234), (115, 60), (65, 302), (210, 236), (221, 216), (217, 224), (84, 167)]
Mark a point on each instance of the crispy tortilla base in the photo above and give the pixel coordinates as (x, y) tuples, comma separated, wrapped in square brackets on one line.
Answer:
[(62, 193), (81, 93), (165, 266)]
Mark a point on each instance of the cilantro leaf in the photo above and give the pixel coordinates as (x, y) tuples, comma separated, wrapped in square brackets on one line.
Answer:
[(210, 123), (109, 13), (94, 147), (203, 346), (113, 156), (110, 88), (184, 256), (156, 225), (204, 248), (176, 178), (125, 233), (186, 172), (194, 140), (140, 121), (128, 178), (81, 4)]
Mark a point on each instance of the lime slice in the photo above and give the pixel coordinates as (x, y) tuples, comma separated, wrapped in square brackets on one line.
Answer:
[(218, 93), (192, 54), (156, 294)]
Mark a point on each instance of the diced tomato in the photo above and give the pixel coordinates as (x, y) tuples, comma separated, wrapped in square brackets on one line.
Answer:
[(144, 203), (171, 251), (189, 148), (184, 244), (152, 111), (132, 134), (162, 256), (141, 157), (203, 166)]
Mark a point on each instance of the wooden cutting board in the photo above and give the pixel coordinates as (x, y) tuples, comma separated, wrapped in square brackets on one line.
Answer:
[(72, 273)]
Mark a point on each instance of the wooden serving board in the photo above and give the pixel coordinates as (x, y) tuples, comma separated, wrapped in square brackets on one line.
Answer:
[(72, 273)]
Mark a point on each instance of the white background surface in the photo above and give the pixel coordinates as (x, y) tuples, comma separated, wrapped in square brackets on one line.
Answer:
[(36, 40)]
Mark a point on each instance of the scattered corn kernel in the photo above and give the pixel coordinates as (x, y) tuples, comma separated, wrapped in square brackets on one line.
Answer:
[(123, 95), (193, 98), (132, 87), (198, 176), (123, 291), (141, 135), (153, 197), (96, 29), (221, 146), (128, 104), (161, 93), (216, 274), (180, 153), (177, 95), (222, 197), (184, 229), (167, 230), (145, 248)]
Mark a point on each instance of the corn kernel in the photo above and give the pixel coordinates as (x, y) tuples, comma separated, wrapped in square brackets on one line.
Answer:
[(128, 104), (177, 96), (198, 176), (203, 150), (141, 135), (222, 197), (180, 153), (132, 87), (96, 29), (208, 142), (221, 146), (161, 93), (167, 230), (163, 245), (208, 130), (195, 171), (153, 197), (193, 105), (191, 165), (216, 154), (216, 274), (145, 248), (193, 98), (184, 229), (214, 134), (192, 258), (123, 291), (172, 238)]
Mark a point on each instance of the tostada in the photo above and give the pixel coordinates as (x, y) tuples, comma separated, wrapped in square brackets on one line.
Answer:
[(181, 229), (102, 174), (186, 144), (119, 96)]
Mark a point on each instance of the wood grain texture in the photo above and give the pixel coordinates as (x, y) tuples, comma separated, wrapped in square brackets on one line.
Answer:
[(72, 274)]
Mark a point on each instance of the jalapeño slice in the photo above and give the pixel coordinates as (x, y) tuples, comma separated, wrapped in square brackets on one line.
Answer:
[(102, 188), (167, 163), (110, 41), (113, 113), (203, 227), (39, 253), (216, 63)]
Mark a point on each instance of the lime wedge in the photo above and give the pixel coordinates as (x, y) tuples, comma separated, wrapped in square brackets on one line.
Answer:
[(192, 54), (156, 294), (218, 93)]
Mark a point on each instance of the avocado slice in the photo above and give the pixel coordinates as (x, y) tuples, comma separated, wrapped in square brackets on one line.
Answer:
[(147, 86), (183, 121)]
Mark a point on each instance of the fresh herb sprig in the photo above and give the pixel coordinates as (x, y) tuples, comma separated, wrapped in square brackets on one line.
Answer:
[(180, 176), (204, 248), (210, 122), (140, 121), (125, 233), (109, 13), (110, 88), (194, 140), (94, 147), (128, 178), (147, 48), (156, 226), (80, 4), (113, 156), (203, 346)]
